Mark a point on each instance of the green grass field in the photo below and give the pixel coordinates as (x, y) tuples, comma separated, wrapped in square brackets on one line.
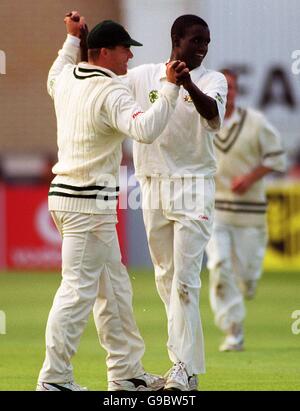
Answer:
[(271, 360)]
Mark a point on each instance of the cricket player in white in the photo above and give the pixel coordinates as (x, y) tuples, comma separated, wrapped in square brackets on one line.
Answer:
[(94, 112), (184, 153), (248, 148)]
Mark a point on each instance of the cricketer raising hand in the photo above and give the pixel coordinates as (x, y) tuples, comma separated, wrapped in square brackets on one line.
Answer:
[(94, 112)]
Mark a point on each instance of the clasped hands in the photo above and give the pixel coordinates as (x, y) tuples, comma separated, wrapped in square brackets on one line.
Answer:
[(178, 73)]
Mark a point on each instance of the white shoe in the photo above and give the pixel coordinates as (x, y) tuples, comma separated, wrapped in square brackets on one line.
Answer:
[(193, 382), (177, 378), (67, 386), (144, 382), (234, 340)]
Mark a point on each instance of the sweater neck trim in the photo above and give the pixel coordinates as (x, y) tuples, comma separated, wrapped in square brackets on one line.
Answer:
[(83, 73)]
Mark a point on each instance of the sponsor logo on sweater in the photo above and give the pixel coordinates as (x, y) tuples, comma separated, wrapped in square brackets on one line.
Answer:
[(153, 96), (187, 98), (134, 115)]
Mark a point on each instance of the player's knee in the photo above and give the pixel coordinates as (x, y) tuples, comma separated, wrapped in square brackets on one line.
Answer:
[(220, 278), (187, 291)]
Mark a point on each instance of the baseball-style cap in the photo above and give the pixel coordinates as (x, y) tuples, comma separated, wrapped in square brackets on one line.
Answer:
[(108, 33)]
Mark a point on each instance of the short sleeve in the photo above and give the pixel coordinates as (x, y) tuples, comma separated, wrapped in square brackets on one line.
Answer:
[(216, 88), (273, 154)]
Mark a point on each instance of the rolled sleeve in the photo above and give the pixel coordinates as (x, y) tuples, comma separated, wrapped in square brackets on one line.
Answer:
[(273, 154), (216, 89)]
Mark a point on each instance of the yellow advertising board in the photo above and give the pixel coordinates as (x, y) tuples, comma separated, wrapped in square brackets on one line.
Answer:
[(283, 252)]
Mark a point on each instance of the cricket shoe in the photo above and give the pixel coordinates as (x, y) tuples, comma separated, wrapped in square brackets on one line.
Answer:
[(177, 378), (67, 386), (144, 382), (193, 382), (234, 340)]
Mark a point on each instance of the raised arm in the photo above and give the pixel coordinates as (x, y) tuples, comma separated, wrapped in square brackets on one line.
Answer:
[(70, 50)]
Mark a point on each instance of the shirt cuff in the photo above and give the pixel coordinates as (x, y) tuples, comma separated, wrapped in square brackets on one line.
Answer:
[(170, 90), (75, 41)]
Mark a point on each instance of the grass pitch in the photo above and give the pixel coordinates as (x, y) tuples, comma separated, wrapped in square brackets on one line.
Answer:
[(271, 360)]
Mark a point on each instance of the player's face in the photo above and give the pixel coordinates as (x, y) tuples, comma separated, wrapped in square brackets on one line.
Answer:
[(118, 59), (193, 47)]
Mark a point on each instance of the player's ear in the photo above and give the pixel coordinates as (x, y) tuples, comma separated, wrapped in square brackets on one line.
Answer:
[(175, 40), (104, 51)]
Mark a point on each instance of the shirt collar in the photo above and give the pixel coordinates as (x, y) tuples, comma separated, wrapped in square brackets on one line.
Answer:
[(233, 119), (93, 67)]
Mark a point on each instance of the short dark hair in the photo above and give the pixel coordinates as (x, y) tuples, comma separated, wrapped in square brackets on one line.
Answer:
[(93, 54), (183, 22)]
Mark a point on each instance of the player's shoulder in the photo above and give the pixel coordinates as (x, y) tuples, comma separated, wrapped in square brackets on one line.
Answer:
[(69, 68), (255, 115), (209, 76), (150, 68), (215, 75)]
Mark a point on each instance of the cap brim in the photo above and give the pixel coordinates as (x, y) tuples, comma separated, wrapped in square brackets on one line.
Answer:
[(132, 42)]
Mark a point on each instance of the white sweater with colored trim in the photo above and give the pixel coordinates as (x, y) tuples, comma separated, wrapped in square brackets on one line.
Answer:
[(95, 111), (246, 141)]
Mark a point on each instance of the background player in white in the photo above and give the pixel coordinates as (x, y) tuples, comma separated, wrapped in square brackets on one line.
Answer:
[(94, 112), (177, 236), (248, 148)]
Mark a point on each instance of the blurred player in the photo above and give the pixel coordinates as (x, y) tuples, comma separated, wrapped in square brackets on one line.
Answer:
[(248, 148), (94, 111), (178, 235)]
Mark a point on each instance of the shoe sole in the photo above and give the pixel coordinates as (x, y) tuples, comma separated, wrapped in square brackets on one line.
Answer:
[(175, 387), (139, 388)]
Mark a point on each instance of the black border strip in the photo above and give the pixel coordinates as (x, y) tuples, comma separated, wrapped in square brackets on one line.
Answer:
[(274, 154), (90, 76), (75, 188), (245, 203), (241, 210)]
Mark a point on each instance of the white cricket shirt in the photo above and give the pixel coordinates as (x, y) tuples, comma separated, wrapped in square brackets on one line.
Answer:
[(186, 144)]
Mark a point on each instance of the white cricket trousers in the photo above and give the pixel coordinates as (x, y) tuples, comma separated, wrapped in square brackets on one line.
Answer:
[(177, 243), (92, 275), (235, 255)]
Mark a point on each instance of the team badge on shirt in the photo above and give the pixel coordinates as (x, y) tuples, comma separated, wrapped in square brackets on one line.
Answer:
[(219, 98), (153, 96), (187, 98)]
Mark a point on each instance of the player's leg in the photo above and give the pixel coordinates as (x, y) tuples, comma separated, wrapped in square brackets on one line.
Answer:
[(226, 298), (191, 234), (86, 245), (185, 332), (160, 236), (114, 320), (249, 249)]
